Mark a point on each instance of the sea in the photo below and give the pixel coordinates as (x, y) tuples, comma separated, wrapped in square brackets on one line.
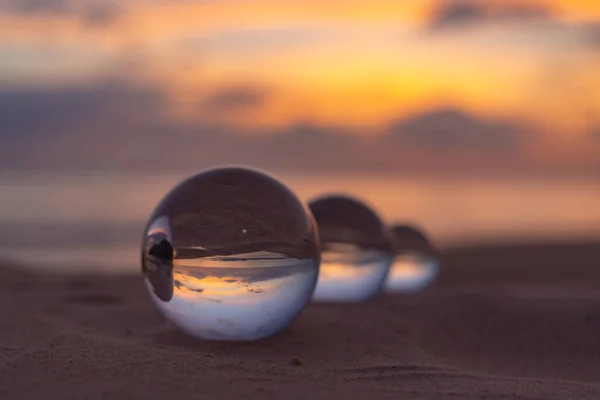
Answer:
[(94, 221)]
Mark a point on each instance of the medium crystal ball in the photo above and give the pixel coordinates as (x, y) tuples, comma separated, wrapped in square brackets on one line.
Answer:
[(356, 250)]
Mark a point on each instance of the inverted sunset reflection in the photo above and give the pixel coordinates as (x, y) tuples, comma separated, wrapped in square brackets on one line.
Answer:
[(230, 281), (411, 273), (416, 262), (239, 299), (351, 275)]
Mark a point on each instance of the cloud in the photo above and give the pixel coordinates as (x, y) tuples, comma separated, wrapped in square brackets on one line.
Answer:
[(301, 134), (593, 34), (451, 129), (33, 7), (100, 14), (125, 127), (54, 111), (75, 127), (457, 14), (254, 40), (235, 98), (308, 146), (91, 13), (115, 125), (528, 22)]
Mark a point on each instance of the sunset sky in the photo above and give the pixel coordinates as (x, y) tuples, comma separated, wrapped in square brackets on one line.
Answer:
[(492, 84)]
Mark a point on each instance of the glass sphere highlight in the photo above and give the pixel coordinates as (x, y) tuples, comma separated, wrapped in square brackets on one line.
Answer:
[(231, 254), (356, 250), (415, 265)]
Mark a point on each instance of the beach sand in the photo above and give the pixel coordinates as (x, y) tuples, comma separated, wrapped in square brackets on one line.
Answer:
[(502, 322)]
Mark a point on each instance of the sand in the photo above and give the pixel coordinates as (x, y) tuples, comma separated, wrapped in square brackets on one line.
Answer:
[(512, 322)]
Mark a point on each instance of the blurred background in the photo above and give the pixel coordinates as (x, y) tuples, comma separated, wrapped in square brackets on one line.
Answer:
[(477, 120)]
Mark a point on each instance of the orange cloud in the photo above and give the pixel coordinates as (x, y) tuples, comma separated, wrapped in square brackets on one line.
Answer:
[(361, 64), (582, 10)]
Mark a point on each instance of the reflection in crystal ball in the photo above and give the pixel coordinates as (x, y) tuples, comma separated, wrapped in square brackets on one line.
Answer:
[(231, 254), (356, 250), (415, 264)]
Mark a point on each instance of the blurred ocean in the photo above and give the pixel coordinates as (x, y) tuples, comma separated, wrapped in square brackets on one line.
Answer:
[(95, 221)]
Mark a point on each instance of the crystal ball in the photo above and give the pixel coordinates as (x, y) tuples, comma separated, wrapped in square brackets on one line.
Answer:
[(231, 254), (415, 265), (356, 250)]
